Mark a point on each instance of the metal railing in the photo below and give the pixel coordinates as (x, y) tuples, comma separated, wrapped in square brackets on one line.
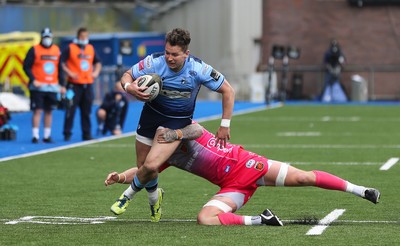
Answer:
[(383, 80)]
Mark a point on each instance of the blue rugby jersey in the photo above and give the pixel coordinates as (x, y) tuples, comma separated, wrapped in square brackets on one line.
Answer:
[(179, 92)]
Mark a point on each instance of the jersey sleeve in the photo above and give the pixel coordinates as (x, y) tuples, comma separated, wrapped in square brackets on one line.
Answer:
[(210, 77), (28, 63), (145, 66)]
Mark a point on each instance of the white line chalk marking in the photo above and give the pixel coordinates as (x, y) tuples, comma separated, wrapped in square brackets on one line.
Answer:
[(389, 164), (57, 220), (325, 222)]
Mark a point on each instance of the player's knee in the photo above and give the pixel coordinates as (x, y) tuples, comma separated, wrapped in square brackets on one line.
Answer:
[(148, 168), (304, 178), (101, 113), (204, 219)]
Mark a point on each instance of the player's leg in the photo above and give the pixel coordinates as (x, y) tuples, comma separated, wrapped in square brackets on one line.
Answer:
[(220, 211), (143, 146), (36, 104), (50, 103), (282, 174), (70, 110), (101, 115), (86, 110), (147, 174), (48, 118), (37, 113)]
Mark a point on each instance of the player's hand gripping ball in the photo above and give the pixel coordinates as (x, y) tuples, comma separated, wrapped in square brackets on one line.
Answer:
[(154, 84)]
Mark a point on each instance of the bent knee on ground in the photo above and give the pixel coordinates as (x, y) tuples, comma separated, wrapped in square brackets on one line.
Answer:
[(207, 219), (305, 178)]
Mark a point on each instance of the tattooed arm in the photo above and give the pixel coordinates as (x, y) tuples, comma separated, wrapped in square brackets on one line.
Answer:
[(189, 132)]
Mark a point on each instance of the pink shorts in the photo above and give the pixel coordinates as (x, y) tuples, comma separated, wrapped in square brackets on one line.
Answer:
[(243, 177)]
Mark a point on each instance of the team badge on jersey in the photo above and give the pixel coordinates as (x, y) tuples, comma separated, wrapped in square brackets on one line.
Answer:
[(259, 166), (141, 65), (250, 163), (215, 75)]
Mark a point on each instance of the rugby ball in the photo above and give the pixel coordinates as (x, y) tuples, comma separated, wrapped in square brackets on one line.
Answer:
[(153, 83)]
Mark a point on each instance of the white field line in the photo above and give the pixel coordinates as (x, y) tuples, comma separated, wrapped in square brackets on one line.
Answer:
[(102, 219), (69, 146), (318, 119), (391, 162), (298, 134), (335, 163), (325, 222), (128, 134), (275, 146), (322, 146)]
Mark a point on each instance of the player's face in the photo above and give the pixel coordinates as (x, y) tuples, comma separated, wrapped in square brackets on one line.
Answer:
[(175, 57)]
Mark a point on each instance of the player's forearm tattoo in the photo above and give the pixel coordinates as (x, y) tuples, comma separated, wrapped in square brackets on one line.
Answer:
[(170, 136), (192, 131), (189, 132)]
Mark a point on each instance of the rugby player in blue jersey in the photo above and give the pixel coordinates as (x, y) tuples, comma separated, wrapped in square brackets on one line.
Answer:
[(182, 74)]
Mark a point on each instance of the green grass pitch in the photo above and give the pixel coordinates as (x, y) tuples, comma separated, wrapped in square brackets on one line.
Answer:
[(59, 198)]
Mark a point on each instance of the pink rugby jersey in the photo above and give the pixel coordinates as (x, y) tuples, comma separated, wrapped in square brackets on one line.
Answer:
[(201, 158)]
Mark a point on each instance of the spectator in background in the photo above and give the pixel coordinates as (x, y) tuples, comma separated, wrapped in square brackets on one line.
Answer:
[(82, 66), (333, 61), (42, 66), (112, 112)]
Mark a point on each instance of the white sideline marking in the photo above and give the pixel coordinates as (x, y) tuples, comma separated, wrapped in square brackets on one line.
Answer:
[(298, 134), (389, 164), (57, 220), (322, 146), (340, 163), (324, 223), (69, 146), (128, 134)]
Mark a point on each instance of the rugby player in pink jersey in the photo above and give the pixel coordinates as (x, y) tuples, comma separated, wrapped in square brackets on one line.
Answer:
[(238, 173)]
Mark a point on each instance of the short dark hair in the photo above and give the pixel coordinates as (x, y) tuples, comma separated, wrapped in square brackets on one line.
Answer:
[(178, 37), (81, 30)]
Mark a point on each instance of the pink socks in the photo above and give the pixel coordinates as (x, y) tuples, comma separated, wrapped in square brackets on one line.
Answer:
[(329, 181)]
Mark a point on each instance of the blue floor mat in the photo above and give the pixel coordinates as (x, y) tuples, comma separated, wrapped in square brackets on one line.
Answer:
[(23, 144)]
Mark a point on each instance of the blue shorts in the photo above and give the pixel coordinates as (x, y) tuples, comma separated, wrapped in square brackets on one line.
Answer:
[(150, 120), (43, 100)]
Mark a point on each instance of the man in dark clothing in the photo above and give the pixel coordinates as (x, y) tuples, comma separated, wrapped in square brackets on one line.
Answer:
[(112, 112), (82, 66)]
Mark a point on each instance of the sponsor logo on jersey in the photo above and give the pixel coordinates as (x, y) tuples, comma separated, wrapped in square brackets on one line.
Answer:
[(176, 94), (205, 68), (83, 56), (193, 73), (211, 145), (259, 166), (141, 65), (227, 168), (49, 57), (250, 163), (49, 68), (85, 65), (215, 75), (148, 63)]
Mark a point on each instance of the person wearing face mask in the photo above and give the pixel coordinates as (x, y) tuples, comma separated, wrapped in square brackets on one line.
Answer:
[(42, 66), (82, 66)]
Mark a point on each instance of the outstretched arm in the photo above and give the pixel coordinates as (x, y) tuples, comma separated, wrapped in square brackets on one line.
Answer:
[(125, 177)]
